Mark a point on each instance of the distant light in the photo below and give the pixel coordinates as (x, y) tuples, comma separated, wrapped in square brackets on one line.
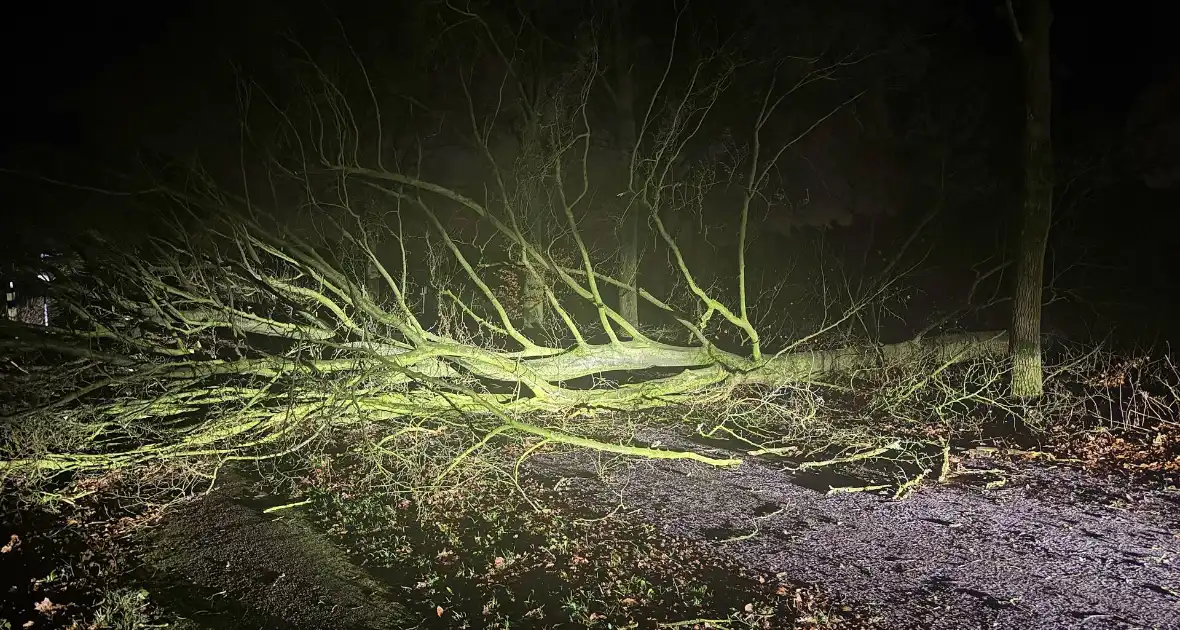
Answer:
[(44, 276)]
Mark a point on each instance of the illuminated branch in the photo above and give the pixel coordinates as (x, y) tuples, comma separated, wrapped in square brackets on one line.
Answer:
[(241, 336)]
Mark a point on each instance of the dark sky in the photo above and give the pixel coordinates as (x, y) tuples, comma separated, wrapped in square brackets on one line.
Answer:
[(53, 55), (1105, 53), (71, 73)]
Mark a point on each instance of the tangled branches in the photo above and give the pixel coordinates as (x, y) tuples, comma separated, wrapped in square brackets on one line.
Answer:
[(245, 335)]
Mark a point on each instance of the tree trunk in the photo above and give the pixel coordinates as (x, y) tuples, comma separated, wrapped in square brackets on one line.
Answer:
[(534, 211), (625, 110), (1037, 208), (533, 303), (411, 385)]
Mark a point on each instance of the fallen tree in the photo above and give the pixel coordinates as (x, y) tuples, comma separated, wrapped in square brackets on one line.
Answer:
[(181, 347), (238, 336)]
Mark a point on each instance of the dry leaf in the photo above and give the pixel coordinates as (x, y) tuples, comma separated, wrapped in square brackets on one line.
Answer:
[(46, 607), (749, 608), (13, 543), (628, 601), (438, 610)]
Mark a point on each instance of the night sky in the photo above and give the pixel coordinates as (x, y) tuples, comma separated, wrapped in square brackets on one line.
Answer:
[(85, 83), (1105, 56)]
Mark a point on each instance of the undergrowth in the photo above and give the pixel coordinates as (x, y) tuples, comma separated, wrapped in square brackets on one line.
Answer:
[(571, 563)]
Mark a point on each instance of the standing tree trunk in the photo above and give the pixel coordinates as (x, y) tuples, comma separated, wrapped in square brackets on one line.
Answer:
[(1037, 207), (533, 312), (535, 212), (625, 110)]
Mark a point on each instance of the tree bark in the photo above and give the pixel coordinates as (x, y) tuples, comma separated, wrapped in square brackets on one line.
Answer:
[(533, 307), (1037, 207), (232, 431), (625, 110), (533, 303)]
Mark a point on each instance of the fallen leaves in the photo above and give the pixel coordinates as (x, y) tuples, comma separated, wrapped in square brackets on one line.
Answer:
[(47, 607), (13, 544), (1159, 453)]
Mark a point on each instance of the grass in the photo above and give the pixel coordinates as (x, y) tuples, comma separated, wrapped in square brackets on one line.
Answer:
[(124, 609)]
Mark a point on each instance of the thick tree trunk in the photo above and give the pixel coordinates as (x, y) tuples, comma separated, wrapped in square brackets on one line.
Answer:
[(533, 303), (533, 306), (241, 418), (625, 110), (1037, 208)]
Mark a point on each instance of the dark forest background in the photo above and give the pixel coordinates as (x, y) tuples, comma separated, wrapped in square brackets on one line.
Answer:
[(132, 90)]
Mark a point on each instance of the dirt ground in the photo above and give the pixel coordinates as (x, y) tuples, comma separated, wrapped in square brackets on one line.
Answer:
[(1006, 543), (220, 562), (1052, 547)]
